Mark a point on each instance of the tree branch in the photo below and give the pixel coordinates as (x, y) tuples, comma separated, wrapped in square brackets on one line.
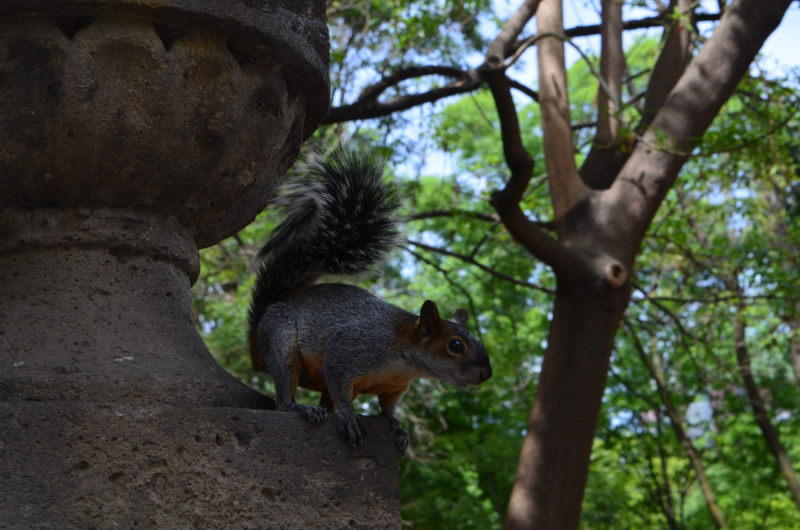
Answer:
[(520, 163), (676, 52), (364, 109), (612, 68), (373, 91), (547, 225), (481, 266), (366, 106), (452, 213), (606, 156), (653, 365), (525, 90), (760, 413), (499, 48), (642, 23), (584, 125), (566, 187)]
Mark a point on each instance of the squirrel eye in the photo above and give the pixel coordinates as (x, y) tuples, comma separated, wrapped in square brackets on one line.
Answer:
[(455, 346)]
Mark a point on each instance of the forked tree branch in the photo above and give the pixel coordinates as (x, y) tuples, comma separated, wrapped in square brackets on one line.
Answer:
[(520, 163), (697, 98), (369, 108), (373, 91)]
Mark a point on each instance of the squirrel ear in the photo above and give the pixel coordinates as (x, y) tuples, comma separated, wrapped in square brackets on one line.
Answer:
[(461, 317), (429, 318)]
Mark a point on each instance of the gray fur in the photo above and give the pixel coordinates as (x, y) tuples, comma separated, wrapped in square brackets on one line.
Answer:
[(341, 218), (354, 332)]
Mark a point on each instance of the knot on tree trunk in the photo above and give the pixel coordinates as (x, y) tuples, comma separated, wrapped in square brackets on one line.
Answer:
[(615, 273), (606, 271)]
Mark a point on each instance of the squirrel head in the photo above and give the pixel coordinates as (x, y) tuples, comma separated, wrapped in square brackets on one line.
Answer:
[(450, 352)]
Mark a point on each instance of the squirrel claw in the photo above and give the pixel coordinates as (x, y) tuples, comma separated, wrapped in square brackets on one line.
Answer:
[(401, 440), (401, 435), (312, 414), (394, 423), (352, 428)]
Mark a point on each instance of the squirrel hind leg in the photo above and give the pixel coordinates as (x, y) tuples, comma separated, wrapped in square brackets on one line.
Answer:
[(326, 401), (279, 353)]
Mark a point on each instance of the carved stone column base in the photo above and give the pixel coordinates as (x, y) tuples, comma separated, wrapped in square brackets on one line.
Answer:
[(95, 306)]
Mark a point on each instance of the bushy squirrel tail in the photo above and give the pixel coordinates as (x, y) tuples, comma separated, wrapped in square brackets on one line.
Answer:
[(341, 218)]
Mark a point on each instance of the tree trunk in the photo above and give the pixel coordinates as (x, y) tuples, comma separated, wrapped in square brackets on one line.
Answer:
[(553, 469), (760, 412), (599, 233)]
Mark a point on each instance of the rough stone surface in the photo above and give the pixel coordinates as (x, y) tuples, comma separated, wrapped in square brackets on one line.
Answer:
[(126, 466), (93, 308), (183, 107), (133, 132)]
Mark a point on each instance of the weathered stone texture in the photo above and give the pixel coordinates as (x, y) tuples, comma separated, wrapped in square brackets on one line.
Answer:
[(132, 133), (157, 104), (95, 306), (167, 466)]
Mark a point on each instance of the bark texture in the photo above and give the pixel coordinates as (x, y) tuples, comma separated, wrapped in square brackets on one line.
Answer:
[(551, 476), (612, 67)]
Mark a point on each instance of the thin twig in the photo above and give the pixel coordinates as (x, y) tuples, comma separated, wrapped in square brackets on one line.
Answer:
[(481, 266), (492, 218)]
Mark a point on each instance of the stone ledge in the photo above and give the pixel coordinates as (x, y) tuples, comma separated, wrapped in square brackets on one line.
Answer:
[(82, 465)]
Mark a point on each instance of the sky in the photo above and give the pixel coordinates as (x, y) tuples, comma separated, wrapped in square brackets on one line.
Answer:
[(783, 46)]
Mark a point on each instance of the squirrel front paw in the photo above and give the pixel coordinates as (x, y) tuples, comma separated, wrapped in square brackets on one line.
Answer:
[(401, 440), (312, 414), (401, 435), (352, 427)]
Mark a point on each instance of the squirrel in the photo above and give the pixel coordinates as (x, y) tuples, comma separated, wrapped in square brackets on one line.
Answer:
[(341, 218)]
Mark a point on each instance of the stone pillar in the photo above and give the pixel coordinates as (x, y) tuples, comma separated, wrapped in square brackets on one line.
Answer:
[(132, 133)]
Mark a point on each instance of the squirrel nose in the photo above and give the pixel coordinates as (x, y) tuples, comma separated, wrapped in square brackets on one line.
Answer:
[(485, 373)]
